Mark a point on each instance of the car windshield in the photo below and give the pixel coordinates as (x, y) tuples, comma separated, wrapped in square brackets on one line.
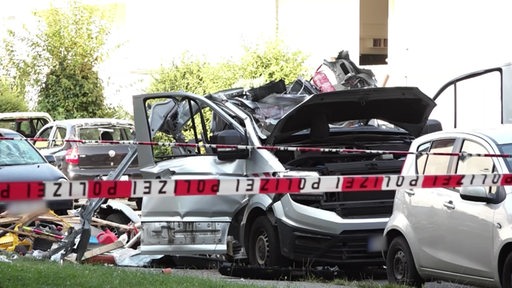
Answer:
[(18, 152)]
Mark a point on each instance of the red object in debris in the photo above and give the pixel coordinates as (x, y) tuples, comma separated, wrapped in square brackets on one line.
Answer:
[(167, 271), (106, 237)]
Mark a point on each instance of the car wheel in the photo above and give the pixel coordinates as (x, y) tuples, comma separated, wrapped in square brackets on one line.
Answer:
[(506, 275), (264, 249), (400, 267)]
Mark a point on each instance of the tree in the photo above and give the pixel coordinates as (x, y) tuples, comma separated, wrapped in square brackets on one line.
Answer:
[(195, 76), (60, 64), (11, 102), (272, 61)]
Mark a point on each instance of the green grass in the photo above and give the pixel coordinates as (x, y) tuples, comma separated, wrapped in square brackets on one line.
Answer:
[(28, 273)]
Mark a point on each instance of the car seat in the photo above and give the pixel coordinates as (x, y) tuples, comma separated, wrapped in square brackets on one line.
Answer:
[(107, 136)]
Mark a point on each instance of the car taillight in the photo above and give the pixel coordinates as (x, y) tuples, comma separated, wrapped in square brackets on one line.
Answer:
[(72, 156)]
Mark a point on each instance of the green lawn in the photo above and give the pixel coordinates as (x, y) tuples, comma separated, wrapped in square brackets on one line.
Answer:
[(28, 273)]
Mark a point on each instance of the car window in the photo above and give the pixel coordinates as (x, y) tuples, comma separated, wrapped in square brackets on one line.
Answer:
[(59, 136), (474, 164), (438, 164), (421, 158), (190, 121), (45, 136)]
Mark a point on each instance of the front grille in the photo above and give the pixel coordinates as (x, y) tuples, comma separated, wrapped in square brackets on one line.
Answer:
[(367, 204)]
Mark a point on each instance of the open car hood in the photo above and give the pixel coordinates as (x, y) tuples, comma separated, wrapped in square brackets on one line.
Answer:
[(405, 107)]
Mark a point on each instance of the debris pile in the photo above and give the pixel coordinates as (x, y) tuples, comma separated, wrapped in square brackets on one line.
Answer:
[(43, 234)]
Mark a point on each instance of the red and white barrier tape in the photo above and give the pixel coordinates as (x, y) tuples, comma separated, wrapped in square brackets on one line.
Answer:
[(271, 148), (18, 191)]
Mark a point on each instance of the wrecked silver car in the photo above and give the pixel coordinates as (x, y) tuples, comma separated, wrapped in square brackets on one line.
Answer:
[(344, 229)]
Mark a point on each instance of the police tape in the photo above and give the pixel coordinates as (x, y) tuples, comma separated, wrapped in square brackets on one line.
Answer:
[(266, 147), (186, 186)]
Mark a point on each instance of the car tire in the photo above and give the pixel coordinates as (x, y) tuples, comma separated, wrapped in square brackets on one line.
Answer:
[(400, 267), (264, 248), (506, 275)]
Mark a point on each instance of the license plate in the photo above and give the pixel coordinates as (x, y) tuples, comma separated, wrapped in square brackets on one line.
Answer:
[(375, 243)]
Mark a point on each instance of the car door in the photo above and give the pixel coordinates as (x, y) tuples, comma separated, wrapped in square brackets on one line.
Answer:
[(467, 227), (425, 210)]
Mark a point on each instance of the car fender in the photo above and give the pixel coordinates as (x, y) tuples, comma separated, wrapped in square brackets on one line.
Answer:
[(261, 201), (127, 210), (399, 222), (258, 201)]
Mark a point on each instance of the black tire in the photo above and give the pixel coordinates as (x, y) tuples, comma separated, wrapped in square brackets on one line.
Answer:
[(506, 275), (400, 267), (119, 218), (264, 248)]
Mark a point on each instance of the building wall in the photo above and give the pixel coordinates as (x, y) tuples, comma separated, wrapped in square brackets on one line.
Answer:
[(432, 41)]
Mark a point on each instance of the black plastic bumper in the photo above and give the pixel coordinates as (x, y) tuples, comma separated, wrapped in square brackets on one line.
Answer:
[(350, 248)]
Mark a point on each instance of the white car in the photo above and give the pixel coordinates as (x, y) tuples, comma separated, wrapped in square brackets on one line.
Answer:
[(461, 235)]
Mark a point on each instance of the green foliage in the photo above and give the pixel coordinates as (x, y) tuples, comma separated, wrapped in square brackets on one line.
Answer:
[(272, 61), (61, 53), (194, 76), (117, 112), (11, 102), (69, 93), (269, 62)]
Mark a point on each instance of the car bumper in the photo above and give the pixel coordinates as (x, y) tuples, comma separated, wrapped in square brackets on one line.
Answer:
[(312, 233), (356, 247)]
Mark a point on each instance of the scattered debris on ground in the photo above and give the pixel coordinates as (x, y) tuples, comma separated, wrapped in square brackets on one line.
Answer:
[(42, 234)]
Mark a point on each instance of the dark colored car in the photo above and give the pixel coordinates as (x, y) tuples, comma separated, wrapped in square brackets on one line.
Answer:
[(90, 160), (20, 161), (82, 161)]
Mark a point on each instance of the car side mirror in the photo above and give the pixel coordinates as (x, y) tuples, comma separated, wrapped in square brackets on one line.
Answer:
[(230, 137), (50, 158), (432, 125), (479, 194)]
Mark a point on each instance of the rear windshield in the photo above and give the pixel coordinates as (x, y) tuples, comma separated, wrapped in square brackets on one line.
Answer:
[(116, 133)]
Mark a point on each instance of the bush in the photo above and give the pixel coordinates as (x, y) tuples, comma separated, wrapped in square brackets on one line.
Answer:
[(10, 101), (269, 62)]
